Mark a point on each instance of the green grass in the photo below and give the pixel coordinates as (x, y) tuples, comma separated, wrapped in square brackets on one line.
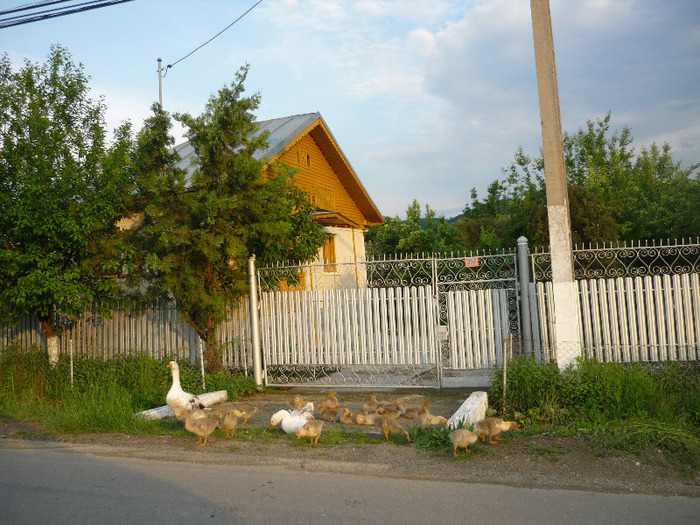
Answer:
[(336, 435), (550, 450), (639, 409), (641, 436), (103, 395), (434, 438)]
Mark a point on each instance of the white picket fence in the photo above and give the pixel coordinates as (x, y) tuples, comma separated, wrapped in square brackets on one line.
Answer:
[(478, 328), (622, 319), (367, 326), (628, 319), (157, 331)]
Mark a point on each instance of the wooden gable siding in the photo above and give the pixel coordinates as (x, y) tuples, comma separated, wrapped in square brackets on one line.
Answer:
[(320, 181)]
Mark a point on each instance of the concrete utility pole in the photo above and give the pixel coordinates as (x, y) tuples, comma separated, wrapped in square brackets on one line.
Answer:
[(160, 83), (566, 311)]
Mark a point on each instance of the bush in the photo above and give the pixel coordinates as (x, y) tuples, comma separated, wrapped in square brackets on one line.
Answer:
[(104, 395), (599, 392), (538, 391), (236, 385), (26, 374), (631, 407)]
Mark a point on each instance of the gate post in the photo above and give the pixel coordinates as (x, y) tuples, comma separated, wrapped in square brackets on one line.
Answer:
[(438, 339), (254, 323), (524, 283)]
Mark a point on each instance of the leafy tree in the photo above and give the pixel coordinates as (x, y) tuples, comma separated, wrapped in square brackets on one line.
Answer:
[(61, 193), (197, 233), (661, 198), (415, 235), (613, 194)]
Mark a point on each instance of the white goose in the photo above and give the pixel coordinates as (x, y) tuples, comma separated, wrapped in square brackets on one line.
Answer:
[(177, 399), (292, 420)]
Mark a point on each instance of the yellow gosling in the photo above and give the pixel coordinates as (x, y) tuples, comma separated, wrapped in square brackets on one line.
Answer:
[(229, 422), (492, 426), (462, 438), (312, 429), (389, 425), (245, 413), (201, 426), (371, 405)]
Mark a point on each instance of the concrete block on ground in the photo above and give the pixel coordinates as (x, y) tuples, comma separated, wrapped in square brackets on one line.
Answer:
[(471, 411), (208, 398)]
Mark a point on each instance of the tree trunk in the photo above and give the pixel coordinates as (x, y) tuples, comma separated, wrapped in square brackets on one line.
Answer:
[(207, 334), (212, 359), (52, 347)]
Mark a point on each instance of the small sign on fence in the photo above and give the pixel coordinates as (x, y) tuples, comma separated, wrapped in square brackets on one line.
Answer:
[(471, 262)]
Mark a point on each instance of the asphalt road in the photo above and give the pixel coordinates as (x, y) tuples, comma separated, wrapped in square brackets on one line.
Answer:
[(55, 485)]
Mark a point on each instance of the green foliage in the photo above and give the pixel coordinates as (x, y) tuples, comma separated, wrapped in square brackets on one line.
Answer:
[(26, 375), (106, 408), (134, 383), (613, 194), (236, 385), (433, 438), (629, 407), (598, 392), (537, 390), (196, 234), (638, 435), (61, 192), (413, 236)]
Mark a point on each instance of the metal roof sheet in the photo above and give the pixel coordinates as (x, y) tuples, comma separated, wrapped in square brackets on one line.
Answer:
[(284, 130)]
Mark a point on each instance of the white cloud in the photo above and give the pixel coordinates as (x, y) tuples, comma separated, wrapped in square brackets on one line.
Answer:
[(427, 98)]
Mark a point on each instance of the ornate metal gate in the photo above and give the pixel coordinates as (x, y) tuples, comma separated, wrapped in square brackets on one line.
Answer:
[(386, 323)]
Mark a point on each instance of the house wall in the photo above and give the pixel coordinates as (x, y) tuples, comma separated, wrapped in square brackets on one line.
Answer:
[(320, 181), (349, 244), (349, 248)]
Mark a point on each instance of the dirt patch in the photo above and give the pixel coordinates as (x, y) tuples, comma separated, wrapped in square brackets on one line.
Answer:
[(526, 461)]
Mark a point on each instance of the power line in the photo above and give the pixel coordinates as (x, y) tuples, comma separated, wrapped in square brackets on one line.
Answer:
[(35, 5), (212, 38), (39, 15)]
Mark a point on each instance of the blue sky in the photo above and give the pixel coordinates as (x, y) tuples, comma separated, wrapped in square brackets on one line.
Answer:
[(427, 98)]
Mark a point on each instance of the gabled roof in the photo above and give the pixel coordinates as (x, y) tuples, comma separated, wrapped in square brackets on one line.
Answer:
[(283, 132), (286, 132)]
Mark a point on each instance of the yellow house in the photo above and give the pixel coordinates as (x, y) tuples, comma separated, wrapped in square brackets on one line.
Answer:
[(344, 208)]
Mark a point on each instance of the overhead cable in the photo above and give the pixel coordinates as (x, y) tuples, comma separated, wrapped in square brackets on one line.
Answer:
[(35, 5), (51, 13), (212, 38)]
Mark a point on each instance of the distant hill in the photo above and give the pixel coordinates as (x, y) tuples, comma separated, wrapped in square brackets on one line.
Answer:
[(451, 214), (450, 220)]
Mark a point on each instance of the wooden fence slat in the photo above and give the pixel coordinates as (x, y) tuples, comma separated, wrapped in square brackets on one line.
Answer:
[(623, 319)]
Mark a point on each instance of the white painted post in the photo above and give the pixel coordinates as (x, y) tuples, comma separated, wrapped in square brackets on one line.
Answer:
[(201, 362), (255, 323), (70, 348)]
